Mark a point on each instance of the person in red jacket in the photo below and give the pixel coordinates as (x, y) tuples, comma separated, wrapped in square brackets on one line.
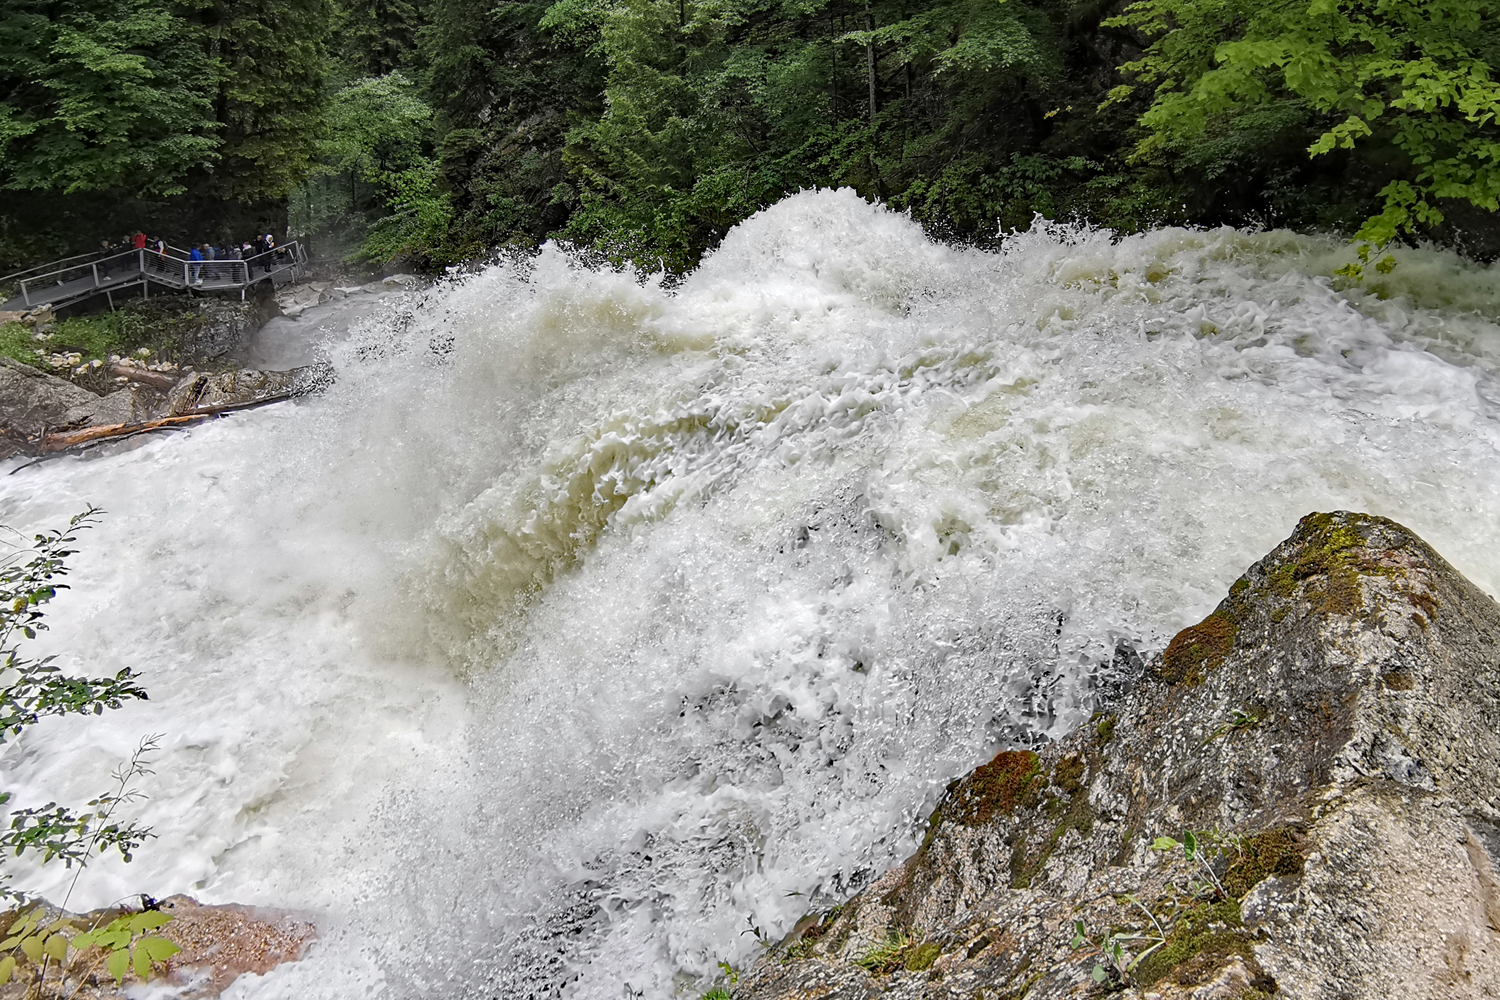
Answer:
[(139, 241)]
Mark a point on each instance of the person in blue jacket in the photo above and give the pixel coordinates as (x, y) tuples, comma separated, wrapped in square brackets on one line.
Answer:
[(196, 265)]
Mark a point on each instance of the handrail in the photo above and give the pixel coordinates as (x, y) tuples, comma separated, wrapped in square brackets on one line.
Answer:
[(165, 268), (91, 255), (18, 274)]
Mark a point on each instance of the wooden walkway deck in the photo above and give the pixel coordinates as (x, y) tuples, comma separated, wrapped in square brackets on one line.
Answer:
[(74, 280)]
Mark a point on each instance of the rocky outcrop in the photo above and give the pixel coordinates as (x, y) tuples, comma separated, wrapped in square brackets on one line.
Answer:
[(41, 414), (32, 401), (132, 404), (198, 392), (1301, 799), (221, 943)]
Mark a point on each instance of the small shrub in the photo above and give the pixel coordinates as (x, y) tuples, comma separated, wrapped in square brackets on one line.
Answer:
[(884, 956)]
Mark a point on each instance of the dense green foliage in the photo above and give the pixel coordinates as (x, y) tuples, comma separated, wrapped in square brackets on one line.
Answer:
[(439, 129), (1407, 82), (118, 114), (113, 95)]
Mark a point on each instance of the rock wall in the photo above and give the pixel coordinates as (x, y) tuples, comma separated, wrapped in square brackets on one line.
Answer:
[(1301, 799)]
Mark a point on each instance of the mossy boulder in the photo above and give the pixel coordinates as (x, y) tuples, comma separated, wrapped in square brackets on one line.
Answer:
[(1330, 735)]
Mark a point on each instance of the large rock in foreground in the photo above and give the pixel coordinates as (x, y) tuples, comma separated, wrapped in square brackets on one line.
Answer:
[(1330, 734), (31, 400)]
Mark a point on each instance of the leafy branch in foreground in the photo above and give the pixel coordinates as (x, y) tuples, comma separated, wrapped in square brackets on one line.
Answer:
[(59, 833), (41, 939), (31, 690), (122, 944)]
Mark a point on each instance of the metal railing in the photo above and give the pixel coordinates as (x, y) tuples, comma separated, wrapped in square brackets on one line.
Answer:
[(7, 279), (172, 268)]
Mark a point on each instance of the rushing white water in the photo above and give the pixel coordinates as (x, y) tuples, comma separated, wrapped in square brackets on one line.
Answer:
[(585, 625)]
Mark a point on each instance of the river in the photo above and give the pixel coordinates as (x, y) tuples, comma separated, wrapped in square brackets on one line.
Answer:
[(587, 629)]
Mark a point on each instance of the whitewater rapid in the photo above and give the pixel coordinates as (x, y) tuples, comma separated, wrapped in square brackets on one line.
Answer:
[(587, 629)]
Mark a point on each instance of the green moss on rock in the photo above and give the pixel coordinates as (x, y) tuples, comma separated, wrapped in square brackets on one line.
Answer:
[(1068, 775), (920, 957), (1198, 649), (1279, 851), (1024, 864), (1206, 934), (991, 788)]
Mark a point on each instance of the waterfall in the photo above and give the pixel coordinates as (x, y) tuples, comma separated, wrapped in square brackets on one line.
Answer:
[(589, 630)]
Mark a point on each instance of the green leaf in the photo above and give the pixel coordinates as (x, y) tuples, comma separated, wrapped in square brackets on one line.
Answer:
[(7, 968), (57, 947), (1099, 974), (142, 963), (158, 949), (1164, 844), (118, 963), (1189, 844), (115, 937), (148, 920), (32, 947)]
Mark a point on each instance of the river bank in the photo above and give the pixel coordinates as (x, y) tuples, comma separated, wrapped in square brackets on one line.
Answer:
[(167, 358)]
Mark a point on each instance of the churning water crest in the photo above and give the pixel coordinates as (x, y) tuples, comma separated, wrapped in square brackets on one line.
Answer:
[(585, 628)]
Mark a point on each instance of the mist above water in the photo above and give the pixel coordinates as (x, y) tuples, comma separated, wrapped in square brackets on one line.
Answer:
[(585, 627)]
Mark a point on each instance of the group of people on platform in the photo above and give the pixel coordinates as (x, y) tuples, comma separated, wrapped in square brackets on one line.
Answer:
[(261, 253)]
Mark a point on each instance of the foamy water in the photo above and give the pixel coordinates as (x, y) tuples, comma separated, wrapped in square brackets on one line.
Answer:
[(585, 627)]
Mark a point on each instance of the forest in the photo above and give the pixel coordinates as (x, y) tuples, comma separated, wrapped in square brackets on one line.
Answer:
[(438, 131)]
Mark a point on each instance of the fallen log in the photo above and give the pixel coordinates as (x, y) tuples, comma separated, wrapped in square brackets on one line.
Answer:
[(72, 442), (69, 439), (156, 380), (63, 440)]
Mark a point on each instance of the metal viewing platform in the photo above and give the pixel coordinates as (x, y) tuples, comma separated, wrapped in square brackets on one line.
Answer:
[(74, 280)]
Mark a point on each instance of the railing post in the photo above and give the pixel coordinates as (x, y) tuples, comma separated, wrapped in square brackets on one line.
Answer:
[(25, 295), (95, 269)]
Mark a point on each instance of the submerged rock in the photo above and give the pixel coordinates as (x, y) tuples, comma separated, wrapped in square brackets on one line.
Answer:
[(293, 300), (1321, 755)]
